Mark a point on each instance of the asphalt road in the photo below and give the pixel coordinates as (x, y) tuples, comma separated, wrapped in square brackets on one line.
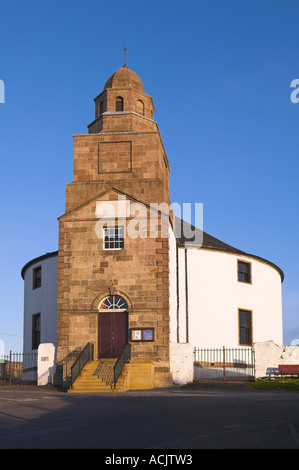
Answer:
[(207, 418)]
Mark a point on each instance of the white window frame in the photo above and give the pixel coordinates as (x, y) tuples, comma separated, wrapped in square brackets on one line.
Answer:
[(118, 240)]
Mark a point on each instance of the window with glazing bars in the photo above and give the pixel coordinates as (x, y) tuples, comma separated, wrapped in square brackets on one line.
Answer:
[(244, 272), (35, 331), (114, 238), (245, 327), (37, 277)]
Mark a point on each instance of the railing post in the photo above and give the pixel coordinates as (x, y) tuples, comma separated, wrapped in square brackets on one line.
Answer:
[(253, 362), (9, 379), (119, 365), (224, 374), (85, 355)]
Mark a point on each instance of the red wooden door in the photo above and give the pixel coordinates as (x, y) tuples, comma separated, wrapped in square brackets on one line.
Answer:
[(113, 333)]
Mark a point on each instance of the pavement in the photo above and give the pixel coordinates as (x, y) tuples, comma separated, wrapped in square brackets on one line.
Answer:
[(205, 416)]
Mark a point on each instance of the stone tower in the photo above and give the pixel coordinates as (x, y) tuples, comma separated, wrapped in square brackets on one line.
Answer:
[(122, 158)]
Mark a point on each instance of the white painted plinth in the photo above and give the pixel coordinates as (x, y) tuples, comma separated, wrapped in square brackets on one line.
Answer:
[(181, 362), (46, 363)]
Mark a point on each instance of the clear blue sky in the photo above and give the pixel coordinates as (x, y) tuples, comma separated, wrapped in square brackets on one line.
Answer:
[(219, 73)]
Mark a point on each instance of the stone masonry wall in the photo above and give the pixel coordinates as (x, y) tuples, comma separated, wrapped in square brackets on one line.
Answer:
[(123, 154), (134, 164), (87, 273)]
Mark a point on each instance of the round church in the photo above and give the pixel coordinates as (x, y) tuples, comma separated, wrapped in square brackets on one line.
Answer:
[(133, 289)]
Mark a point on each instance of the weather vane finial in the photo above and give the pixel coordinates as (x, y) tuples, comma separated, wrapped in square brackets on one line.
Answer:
[(125, 49)]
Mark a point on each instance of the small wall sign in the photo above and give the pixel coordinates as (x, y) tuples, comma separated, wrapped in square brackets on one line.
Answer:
[(148, 335), (136, 335), (142, 334)]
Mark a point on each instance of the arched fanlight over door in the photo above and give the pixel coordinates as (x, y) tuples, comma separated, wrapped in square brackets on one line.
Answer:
[(113, 302)]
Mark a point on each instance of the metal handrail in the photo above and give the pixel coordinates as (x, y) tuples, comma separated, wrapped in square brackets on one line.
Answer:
[(85, 356), (64, 366), (69, 356), (120, 363)]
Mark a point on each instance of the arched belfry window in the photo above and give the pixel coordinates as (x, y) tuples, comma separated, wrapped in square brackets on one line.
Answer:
[(140, 107), (119, 104), (101, 107), (114, 302)]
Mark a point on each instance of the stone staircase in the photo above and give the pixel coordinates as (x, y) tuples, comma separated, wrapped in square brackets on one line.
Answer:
[(96, 378)]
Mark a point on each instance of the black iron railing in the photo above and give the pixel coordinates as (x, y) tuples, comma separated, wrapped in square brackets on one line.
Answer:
[(64, 367), (105, 371), (224, 364), (18, 368), (70, 356), (85, 356), (120, 363)]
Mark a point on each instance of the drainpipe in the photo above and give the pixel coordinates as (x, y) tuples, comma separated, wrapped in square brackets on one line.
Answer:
[(186, 293), (177, 295)]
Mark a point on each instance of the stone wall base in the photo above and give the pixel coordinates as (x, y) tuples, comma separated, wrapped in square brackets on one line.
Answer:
[(147, 375)]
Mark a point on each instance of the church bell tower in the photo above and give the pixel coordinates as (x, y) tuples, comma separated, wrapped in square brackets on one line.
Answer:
[(123, 148), (121, 157)]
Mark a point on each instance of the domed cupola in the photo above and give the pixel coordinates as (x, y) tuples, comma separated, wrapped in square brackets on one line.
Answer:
[(125, 78), (123, 104)]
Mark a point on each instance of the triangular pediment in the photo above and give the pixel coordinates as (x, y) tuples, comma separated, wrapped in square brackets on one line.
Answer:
[(109, 199)]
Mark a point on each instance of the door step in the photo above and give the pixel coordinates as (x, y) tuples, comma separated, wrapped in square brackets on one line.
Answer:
[(97, 377)]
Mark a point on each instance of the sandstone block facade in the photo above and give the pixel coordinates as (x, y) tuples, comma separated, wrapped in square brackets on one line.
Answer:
[(122, 156)]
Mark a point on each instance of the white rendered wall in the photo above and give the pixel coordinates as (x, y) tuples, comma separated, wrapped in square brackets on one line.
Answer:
[(181, 352), (177, 296), (215, 295), (268, 356), (42, 300)]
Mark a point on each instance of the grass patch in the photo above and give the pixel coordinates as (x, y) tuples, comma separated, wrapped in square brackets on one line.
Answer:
[(288, 384)]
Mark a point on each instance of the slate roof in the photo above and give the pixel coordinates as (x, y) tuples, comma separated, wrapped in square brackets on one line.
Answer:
[(183, 232), (37, 260)]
